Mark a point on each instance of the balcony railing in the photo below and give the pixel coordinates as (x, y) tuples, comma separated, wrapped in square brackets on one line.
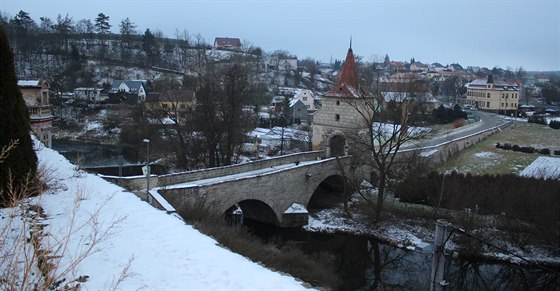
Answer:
[(40, 111)]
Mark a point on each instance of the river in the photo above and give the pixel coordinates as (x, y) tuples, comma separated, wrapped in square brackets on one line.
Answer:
[(364, 263)]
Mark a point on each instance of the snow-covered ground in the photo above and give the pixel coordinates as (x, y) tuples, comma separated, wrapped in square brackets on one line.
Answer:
[(164, 252)]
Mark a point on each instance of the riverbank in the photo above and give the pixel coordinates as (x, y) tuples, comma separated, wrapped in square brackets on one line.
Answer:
[(411, 227)]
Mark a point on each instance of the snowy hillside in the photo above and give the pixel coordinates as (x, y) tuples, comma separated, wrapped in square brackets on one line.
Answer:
[(164, 252)]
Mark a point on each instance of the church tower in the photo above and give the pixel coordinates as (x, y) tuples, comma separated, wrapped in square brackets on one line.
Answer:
[(337, 115)]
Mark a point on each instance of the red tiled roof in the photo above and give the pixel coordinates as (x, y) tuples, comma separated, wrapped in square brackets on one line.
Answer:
[(348, 81), (349, 74)]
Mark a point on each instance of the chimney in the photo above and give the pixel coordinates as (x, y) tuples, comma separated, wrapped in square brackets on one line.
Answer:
[(490, 79)]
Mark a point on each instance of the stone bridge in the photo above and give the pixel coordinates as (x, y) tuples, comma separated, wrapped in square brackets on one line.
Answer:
[(276, 195), (276, 190)]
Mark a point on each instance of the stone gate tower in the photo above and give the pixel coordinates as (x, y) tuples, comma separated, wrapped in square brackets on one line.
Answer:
[(337, 115)]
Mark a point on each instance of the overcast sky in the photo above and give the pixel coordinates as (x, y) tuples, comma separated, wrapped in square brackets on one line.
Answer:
[(486, 33)]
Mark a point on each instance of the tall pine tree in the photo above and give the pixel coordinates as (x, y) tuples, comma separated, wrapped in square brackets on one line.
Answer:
[(14, 126)]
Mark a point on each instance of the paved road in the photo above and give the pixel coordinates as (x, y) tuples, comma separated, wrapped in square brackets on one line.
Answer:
[(486, 121)]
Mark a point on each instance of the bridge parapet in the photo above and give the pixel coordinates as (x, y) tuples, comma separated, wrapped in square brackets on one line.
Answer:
[(139, 182), (172, 179)]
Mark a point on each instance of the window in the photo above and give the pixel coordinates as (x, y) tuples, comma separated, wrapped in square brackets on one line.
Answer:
[(488, 95), (502, 104), (304, 98), (183, 106), (337, 117), (337, 102), (487, 104)]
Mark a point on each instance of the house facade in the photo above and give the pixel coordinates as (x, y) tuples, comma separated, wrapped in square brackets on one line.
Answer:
[(489, 95), (307, 97), (90, 94), (298, 111), (131, 92), (418, 67), (226, 43), (36, 96), (282, 63), (177, 105)]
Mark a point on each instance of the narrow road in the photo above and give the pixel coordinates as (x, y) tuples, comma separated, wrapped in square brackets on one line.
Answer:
[(486, 121)]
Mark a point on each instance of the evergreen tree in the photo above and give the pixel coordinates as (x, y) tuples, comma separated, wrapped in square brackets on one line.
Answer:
[(386, 60), (14, 118), (102, 24)]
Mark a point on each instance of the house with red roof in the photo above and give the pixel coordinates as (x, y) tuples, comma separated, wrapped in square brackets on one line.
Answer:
[(226, 43)]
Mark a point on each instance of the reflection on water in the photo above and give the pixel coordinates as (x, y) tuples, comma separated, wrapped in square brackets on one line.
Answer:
[(364, 263)]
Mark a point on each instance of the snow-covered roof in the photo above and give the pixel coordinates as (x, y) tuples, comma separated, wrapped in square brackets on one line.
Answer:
[(133, 85), (481, 83), (29, 83), (543, 167)]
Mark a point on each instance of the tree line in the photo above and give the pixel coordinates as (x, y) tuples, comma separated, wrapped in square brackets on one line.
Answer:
[(65, 37)]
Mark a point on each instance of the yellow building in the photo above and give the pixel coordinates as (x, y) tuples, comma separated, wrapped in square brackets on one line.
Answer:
[(36, 96), (485, 94), (173, 104)]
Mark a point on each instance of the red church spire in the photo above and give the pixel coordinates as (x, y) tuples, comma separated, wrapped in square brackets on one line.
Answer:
[(349, 74)]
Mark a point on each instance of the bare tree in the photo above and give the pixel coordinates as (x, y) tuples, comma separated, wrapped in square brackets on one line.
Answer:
[(386, 130), (175, 103)]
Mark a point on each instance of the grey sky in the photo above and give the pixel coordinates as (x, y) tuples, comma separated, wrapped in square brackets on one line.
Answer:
[(479, 33)]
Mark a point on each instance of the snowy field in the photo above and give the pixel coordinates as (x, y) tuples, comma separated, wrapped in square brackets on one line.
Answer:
[(164, 252), (543, 167)]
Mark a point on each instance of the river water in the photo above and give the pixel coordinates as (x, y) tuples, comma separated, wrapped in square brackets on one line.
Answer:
[(362, 263), (88, 155)]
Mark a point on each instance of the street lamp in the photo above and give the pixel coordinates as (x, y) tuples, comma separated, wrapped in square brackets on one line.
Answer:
[(147, 141)]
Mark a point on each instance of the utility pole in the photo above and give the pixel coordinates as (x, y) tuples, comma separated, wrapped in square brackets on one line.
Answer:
[(437, 278), (147, 141)]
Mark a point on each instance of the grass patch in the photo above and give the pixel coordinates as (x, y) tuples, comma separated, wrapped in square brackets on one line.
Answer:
[(485, 158), (316, 269)]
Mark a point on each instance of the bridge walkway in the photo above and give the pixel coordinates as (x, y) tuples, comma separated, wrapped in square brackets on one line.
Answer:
[(245, 175)]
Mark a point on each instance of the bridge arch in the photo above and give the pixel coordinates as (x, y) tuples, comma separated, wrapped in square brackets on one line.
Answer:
[(256, 210), (329, 192)]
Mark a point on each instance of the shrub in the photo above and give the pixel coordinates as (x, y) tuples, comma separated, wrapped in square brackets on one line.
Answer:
[(528, 150), (458, 123), (516, 148), (509, 194), (538, 119), (555, 124), (557, 152), (544, 151)]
